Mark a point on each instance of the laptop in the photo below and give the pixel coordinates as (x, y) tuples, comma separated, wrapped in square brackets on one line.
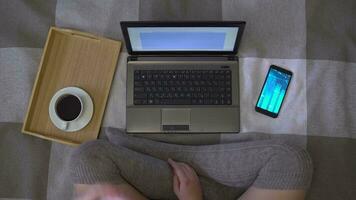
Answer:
[(182, 77)]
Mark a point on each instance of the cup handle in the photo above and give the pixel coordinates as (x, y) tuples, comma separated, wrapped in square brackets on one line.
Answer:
[(65, 125)]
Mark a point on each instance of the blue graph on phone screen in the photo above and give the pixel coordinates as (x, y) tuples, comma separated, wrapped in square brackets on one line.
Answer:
[(274, 91)]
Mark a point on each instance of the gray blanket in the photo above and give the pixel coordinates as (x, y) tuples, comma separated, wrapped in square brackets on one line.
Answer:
[(316, 39)]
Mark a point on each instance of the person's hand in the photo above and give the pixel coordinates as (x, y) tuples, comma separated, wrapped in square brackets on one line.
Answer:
[(186, 183)]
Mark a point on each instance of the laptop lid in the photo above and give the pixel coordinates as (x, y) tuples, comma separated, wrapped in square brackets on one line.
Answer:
[(176, 38)]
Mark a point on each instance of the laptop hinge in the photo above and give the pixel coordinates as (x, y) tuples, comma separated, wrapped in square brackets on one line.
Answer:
[(232, 57), (132, 58), (188, 58)]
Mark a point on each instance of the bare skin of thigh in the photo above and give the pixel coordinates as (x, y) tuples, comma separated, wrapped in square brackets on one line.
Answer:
[(108, 191), (127, 192)]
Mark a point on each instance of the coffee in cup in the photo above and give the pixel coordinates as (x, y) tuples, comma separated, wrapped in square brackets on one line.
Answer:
[(68, 108)]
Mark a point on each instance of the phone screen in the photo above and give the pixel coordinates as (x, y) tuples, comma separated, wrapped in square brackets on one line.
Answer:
[(273, 91)]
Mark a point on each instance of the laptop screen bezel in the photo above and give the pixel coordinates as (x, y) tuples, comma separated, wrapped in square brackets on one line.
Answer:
[(129, 24)]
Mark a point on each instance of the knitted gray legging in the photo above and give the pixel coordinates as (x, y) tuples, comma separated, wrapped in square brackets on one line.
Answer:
[(225, 170)]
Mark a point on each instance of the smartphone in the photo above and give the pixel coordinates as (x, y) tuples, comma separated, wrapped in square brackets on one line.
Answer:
[(273, 91)]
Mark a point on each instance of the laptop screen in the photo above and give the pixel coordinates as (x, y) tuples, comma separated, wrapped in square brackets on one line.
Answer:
[(179, 37), (183, 38)]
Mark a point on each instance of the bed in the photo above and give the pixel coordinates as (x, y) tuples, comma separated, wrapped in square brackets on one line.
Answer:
[(316, 39)]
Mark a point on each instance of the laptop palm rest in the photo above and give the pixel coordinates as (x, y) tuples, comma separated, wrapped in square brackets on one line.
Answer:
[(175, 119)]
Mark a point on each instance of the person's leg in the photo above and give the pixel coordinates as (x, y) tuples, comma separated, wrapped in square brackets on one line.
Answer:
[(98, 163), (267, 164)]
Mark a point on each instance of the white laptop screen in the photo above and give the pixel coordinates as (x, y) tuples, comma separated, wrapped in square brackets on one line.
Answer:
[(178, 39)]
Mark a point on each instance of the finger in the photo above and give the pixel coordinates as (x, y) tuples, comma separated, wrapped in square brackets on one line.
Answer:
[(178, 170), (176, 184), (175, 165), (186, 169), (171, 162), (189, 170), (181, 167)]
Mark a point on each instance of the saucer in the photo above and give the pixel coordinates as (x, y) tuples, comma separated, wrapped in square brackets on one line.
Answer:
[(82, 120)]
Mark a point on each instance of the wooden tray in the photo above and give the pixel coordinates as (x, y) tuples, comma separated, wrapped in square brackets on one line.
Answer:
[(71, 58)]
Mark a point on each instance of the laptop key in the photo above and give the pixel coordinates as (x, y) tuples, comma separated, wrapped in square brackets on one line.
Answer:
[(216, 102), (140, 95), (140, 101), (181, 101), (138, 84), (143, 76), (139, 89)]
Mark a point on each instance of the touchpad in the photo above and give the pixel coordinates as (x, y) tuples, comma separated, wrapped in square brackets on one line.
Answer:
[(175, 119)]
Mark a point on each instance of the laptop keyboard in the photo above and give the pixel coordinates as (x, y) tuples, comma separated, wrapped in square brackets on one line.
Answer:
[(182, 87)]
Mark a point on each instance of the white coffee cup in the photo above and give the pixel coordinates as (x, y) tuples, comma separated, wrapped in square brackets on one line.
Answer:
[(68, 108), (75, 116)]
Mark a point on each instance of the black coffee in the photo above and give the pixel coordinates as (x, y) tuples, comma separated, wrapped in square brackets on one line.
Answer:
[(68, 107)]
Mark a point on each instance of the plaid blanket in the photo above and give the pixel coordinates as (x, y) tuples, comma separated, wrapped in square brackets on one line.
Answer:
[(316, 39)]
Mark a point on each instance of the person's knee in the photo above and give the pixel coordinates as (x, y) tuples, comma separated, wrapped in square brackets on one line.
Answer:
[(95, 162), (92, 154), (292, 159), (289, 167), (293, 163), (89, 151)]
